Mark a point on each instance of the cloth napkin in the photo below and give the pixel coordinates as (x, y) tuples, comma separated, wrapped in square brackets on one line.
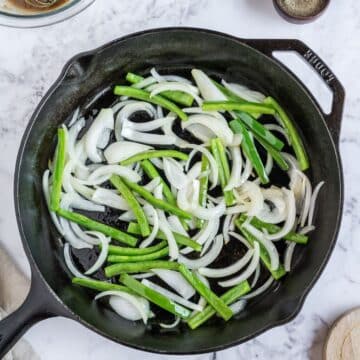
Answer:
[(14, 287)]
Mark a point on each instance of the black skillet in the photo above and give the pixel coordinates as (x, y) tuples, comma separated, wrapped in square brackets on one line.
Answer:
[(176, 50)]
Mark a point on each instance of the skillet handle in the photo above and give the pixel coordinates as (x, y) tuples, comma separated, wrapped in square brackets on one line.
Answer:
[(334, 118), (38, 305)]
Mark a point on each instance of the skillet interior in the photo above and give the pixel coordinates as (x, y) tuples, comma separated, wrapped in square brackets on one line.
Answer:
[(176, 49)]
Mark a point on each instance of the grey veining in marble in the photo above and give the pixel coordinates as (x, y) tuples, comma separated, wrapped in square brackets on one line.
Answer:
[(30, 60)]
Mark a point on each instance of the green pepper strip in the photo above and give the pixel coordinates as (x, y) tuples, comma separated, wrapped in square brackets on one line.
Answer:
[(59, 165), (119, 250), (121, 268), (155, 297), (160, 204), (228, 298), (218, 151), (204, 184), (277, 274), (176, 96), (100, 285), (221, 308), (293, 134), (154, 154), (248, 107), (273, 229), (91, 224), (133, 228), (276, 155), (145, 96), (260, 130), (250, 150), (152, 173), (137, 258), (133, 203)]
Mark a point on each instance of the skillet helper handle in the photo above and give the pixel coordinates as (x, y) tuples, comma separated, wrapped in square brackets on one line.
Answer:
[(36, 307), (333, 119)]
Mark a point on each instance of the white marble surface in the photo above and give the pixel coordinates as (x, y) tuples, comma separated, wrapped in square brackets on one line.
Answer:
[(30, 60)]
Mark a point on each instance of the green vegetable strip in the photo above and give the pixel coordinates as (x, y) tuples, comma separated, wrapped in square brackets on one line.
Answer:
[(133, 203), (228, 93), (160, 204), (100, 285), (137, 258), (273, 229), (119, 250), (204, 183), (60, 157), (260, 130), (117, 269), (276, 155), (91, 224), (155, 297), (294, 136), (228, 298), (133, 228), (229, 196), (277, 274), (145, 96), (154, 154), (248, 107), (176, 96), (152, 173), (250, 150), (221, 308)]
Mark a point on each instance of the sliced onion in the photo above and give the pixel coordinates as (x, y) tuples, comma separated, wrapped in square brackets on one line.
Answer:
[(305, 230), (277, 211), (102, 256), (237, 209), (280, 129), (119, 105), (313, 202), (173, 86), (72, 268), (229, 270), (46, 191), (268, 245), (241, 239), (291, 160), (244, 92), (122, 150), (250, 195), (208, 90), (201, 132), (195, 172), (178, 141), (78, 202), (238, 306), (71, 238), (226, 228), (247, 171), (289, 252), (149, 125), (105, 172), (174, 173), (260, 290), (144, 83), (86, 235), (143, 275), (176, 225), (172, 325), (172, 296), (104, 120), (127, 310), (156, 75), (109, 198), (82, 189), (158, 163), (127, 216), (74, 117), (235, 177), (72, 137), (152, 184), (291, 217), (176, 281), (256, 276), (146, 138), (218, 127), (155, 222), (207, 259), (249, 270)]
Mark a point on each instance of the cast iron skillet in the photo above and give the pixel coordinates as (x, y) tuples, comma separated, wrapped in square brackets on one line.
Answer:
[(173, 49)]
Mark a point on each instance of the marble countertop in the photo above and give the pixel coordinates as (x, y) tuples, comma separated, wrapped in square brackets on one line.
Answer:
[(30, 60)]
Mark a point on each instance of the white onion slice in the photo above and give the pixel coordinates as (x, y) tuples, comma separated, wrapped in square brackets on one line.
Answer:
[(78, 202), (207, 259), (156, 75), (176, 281), (152, 184), (68, 261), (173, 86), (289, 252), (241, 239), (109, 198), (280, 129), (178, 141), (218, 127), (244, 92), (82, 189), (144, 83), (85, 235), (201, 132), (277, 211), (122, 150), (74, 117), (127, 216), (172, 325), (268, 245), (260, 290), (155, 222), (124, 311), (146, 138), (250, 195), (238, 306), (149, 125), (158, 163), (226, 228), (249, 270), (104, 120), (235, 177), (208, 90), (176, 225), (70, 237), (229, 270), (143, 275), (102, 256), (247, 170), (256, 276), (174, 173), (313, 202), (119, 105), (105, 172), (305, 230), (291, 160)]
